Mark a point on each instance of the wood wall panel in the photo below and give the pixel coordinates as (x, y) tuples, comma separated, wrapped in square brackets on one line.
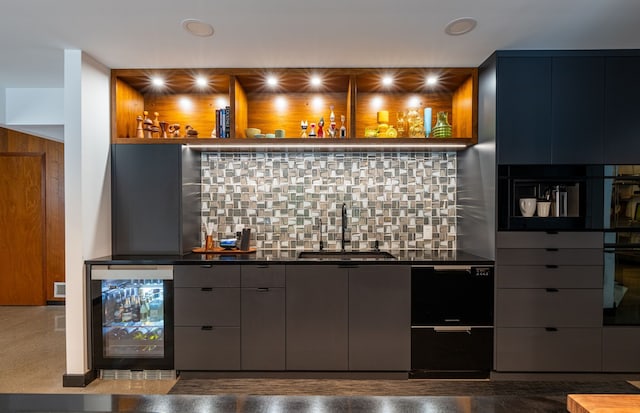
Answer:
[(264, 114), (23, 235), (462, 110), (130, 105), (12, 142), (367, 112)]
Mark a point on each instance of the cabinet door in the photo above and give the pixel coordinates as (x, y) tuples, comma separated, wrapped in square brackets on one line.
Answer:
[(622, 123), (317, 317), (523, 110), (380, 317), (263, 329), (577, 103), (151, 214), (207, 348)]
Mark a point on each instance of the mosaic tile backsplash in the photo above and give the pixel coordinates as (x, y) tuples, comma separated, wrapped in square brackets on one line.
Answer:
[(293, 200)]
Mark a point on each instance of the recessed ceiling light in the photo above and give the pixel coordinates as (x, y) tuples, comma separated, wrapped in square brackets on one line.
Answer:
[(197, 27), (272, 81), (201, 81), (432, 80), (387, 80), (316, 81), (157, 81), (460, 26)]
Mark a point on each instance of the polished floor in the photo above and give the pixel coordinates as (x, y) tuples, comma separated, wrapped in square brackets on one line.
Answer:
[(33, 362)]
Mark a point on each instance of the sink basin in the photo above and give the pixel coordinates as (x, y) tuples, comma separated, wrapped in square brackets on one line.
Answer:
[(347, 255)]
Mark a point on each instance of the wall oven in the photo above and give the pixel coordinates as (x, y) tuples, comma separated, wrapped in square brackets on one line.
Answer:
[(452, 321), (621, 287), (131, 317)]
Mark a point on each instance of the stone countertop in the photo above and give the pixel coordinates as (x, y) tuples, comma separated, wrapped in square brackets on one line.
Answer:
[(262, 257)]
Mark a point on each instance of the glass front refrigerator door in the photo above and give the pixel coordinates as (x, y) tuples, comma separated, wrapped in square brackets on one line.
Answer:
[(132, 319)]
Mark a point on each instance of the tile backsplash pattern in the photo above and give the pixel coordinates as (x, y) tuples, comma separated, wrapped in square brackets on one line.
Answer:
[(291, 200)]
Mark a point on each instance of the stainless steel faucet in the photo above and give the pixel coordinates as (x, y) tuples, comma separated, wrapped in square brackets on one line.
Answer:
[(344, 226)]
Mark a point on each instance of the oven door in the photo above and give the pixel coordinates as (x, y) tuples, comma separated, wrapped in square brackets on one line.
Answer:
[(621, 287)]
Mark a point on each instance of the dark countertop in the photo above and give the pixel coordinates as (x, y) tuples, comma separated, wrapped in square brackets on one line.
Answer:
[(261, 257)]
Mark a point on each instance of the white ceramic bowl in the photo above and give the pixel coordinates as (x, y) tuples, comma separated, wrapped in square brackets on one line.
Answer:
[(251, 132)]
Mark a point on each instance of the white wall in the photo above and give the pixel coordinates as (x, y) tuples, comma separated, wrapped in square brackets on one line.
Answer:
[(87, 193), (34, 106), (3, 106)]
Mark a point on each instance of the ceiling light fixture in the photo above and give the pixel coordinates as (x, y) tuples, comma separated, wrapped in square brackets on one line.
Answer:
[(387, 80), (316, 81), (157, 81), (432, 80), (201, 81), (272, 81), (197, 27), (460, 26)]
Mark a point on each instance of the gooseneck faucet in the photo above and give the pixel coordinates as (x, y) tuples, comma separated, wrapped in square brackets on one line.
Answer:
[(344, 226)]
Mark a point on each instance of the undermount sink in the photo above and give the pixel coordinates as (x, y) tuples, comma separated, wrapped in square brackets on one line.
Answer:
[(346, 255)]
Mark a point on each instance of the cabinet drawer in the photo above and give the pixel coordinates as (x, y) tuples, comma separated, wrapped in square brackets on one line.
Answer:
[(263, 276), (537, 349), (206, 276), (539, 276), (207, 306), (520, 239), (549, 308), (203, 348), (551, 256)]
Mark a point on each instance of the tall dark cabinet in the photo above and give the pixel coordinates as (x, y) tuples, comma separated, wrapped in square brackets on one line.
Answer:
[(155, 195)]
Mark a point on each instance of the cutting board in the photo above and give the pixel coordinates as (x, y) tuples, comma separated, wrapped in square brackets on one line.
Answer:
[(218, 250)]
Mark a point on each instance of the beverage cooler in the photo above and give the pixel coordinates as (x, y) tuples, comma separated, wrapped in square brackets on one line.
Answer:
[(132, 316)]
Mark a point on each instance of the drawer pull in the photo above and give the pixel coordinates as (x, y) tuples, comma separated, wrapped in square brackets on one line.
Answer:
[(550, 329), (206, 328), (206, 266), (552, 290), (550, 266), (552, 232), (263, 266), (552, 249), (206, 289), (263, 290)]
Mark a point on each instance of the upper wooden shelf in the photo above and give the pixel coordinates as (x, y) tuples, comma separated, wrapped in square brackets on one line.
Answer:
[(357, 95)]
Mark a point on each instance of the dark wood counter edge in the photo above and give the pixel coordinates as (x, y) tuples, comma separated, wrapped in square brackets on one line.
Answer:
[(311, 144)]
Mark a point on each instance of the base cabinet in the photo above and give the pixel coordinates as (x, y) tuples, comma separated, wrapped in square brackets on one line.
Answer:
[(207, 317), (262, 324), (549, 349), (620, 349), (380, 318), (317, 317)]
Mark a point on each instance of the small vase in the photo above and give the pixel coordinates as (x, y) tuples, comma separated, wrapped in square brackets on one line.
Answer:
[(442, 129)]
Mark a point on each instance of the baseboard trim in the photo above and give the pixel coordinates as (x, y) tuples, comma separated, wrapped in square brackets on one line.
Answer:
[(79, 380), (370, 375)]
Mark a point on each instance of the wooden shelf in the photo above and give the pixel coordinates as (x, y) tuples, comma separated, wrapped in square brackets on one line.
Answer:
[(356, 94), (313, 145)]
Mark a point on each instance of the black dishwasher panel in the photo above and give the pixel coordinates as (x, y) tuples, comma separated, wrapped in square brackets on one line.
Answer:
[(452, 295)]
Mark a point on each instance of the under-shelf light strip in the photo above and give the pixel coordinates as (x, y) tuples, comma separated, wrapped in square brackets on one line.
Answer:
[(343, 146)]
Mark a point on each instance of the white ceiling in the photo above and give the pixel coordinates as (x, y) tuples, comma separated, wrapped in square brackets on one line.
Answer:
[(296, 33)]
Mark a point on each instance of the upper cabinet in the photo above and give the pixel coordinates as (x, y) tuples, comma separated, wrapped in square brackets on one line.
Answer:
[(567, 107), (622, 106), (418, 107)]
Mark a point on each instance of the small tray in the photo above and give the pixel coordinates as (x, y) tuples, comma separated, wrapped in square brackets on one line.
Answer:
[(218, 250)]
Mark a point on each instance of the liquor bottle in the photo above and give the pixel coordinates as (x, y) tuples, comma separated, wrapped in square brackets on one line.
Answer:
[(135, 309), (126, 314), (144, 310)]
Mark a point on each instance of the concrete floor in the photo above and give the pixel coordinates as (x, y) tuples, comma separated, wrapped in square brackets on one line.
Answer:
[(33, 362)]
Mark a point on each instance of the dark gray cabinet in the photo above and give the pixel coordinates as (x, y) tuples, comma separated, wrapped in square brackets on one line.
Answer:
[(577, 104), (317, 317), (622, 123), (207, 317), (549, 108), (380, 318), (549, 301), (262, 324), (155, 198), (523, 110)]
